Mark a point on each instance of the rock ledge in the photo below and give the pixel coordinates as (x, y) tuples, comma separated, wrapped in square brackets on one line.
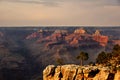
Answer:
[(76, 72)]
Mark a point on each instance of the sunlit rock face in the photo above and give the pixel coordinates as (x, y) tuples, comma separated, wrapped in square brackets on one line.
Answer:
[(80, 31), (103, 40), (76, 72), (117, 75)]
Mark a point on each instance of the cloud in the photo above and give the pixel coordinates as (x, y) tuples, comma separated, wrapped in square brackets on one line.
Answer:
[(118, 2), (59, 2), (69, 12), (43, 2), (100, 2), (112, 2)]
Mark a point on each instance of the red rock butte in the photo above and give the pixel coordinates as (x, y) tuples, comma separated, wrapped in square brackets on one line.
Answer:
[(73, 39), (80, 31), (100, 38)]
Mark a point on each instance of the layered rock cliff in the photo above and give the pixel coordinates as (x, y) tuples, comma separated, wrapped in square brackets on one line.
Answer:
[(76, 72)]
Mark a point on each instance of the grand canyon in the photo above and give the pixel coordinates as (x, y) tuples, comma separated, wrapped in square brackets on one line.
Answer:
[(25, 52)]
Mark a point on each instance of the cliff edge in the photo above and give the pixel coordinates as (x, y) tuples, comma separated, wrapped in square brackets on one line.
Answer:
[(76, 72)]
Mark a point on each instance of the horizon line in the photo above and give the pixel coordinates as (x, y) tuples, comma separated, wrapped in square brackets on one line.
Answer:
[(61, 26)]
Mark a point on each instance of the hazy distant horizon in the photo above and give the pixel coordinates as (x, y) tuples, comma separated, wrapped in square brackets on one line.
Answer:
[(56, 26)]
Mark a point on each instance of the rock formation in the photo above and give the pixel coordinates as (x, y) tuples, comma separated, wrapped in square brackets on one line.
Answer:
[(76, 72), (80, 31), (66, 38), (103, 40), (38, 34)]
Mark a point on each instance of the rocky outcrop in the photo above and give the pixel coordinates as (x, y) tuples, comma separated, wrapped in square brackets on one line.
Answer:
[(76, 72), (40, 34), (33, 35), (80, 31), (103, 40), (66, 38), (117, 76)]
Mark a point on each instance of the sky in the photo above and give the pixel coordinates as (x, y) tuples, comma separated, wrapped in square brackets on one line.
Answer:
[(59, 12)]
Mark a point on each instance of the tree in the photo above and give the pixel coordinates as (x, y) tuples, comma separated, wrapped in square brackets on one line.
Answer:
[(116, 51), (60, 61), (112, 58), (116, 47), (82, 56), (102, 58), (116, 54), (92, 63)]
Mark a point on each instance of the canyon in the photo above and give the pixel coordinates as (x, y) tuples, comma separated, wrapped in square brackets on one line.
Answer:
[(25, 52), (70, 39)]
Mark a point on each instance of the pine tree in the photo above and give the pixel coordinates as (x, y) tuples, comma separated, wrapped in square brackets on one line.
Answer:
[(82, 56)]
